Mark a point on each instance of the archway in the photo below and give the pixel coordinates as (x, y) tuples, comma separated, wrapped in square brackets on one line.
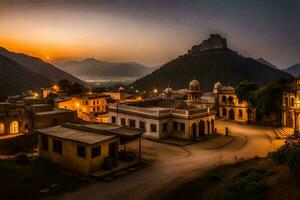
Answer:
[(201, 128), (224, 99), (2, 128), (26, 128), (208, 127), (194, 130), (14, 127), (231, 114), (224, 112), (230, 100), (289, 120), (212, 126), (240, 113)]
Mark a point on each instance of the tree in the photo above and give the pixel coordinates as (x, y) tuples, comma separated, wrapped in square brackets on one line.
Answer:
[(71, 88), (245, 91)]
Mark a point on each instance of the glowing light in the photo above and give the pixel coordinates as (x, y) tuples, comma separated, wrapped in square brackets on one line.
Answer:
[(137, 91), (55, 87), (155, 90), (77, 104), (139, 98), (47, 58), (35, 94)]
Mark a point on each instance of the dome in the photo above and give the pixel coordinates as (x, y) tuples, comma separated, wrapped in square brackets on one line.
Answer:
[(194, 85), (218, 85), (168, 90)]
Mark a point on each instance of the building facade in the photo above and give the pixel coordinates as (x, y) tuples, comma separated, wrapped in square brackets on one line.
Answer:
[(230, 107), (161, 118), (89, 107), (84, 148), (291, 108)]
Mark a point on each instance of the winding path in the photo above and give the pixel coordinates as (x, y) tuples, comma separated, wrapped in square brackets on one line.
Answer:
[(172, 165)]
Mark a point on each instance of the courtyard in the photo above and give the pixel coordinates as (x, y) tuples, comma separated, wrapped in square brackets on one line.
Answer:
[(170, 165)]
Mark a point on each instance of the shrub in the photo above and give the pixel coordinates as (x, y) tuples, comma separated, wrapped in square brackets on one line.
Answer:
[(280, 156), (293, 158), (247, 185), (22, 159)]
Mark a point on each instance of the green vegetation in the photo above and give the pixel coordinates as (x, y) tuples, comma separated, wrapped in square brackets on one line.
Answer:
[(246, 185), (71, 88), (245, 91), (289, 154)]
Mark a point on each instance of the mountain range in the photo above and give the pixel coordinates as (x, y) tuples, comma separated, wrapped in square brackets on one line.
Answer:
[(38, 66), (93, 68), (294, 70), (264, 61), (21, 72), (14, 78), (210, 62)]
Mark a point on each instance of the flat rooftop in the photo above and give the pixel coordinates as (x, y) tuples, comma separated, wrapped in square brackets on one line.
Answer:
[(76, 135), (54, 111), (123, 132)]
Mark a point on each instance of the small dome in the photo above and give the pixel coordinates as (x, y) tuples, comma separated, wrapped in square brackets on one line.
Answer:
[(194, 86), (168, 90), (194, 83), (218, 85)]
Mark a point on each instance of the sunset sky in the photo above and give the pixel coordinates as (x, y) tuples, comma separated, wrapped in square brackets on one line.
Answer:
[(149, 31)]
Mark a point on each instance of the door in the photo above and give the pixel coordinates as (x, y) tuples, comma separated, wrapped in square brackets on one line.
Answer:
[(231, 114), (194, 130), (113, 150)]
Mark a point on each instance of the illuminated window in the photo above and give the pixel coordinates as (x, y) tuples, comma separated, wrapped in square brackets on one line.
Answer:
[(14, 127), (2, 128)]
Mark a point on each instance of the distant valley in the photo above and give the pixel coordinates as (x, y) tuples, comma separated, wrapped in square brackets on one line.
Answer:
[(91, 69)]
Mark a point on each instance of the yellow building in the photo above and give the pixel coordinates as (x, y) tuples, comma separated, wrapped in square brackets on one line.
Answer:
[(230, 107), (291, 108), (75, 150), (84, 148), (89, 107)]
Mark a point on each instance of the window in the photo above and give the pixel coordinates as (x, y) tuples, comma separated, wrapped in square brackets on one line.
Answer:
[(142, 125), (97, 101), (175, 126), (86, 102), (182, 127), (44, 142), (2, 128), (57, 146), (292, 101), (132, 123), (81, 151), (113, 119), (286, 101), (224, 99), (123, 121), (153, 128), (14, 127), (96, 151), (165, 127), (94, 110)]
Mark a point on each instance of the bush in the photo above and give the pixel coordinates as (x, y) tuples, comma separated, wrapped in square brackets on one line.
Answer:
[(22, 159), (247, 185), (290, 154)]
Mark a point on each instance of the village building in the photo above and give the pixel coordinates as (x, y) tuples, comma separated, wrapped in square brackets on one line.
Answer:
[(162, 118), (230, 107), (87, 148), (290, 108), (19, 115), (90, 107)]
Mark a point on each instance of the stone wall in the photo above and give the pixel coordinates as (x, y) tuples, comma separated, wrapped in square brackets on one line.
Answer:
[(18, 144)]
